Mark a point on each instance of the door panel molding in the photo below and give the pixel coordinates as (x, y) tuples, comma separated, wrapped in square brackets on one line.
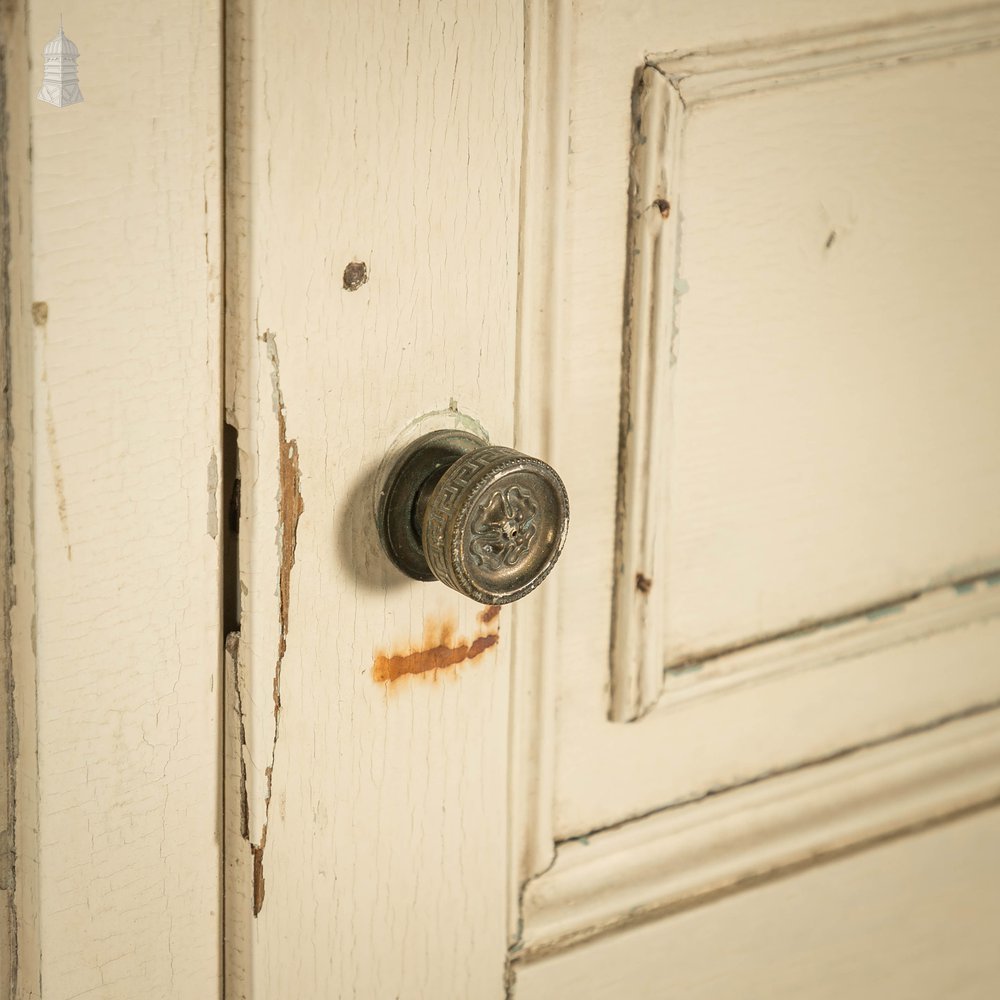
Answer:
[(684, 856), (928, 647), (540, 344), (668, 90)]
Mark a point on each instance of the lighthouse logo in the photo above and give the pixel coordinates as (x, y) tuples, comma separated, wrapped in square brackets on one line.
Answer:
[(60, 85)]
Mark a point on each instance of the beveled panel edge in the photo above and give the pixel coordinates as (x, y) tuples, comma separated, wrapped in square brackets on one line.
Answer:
[(667, 87), (824, 643), (682, 856), (730, 71), (544, 192), (647, 373)]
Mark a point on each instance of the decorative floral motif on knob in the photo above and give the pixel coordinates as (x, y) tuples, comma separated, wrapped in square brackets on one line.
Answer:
[(503, 528)]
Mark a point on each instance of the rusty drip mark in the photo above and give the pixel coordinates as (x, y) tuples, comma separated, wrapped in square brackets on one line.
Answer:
[(439, 650), (391, 668), (489, 613), (290, 508)]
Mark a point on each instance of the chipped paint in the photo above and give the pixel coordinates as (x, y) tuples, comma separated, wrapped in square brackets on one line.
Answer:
[(290, 506), (355, 275)]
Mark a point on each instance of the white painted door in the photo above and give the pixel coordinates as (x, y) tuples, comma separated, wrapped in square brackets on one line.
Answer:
[(110, 303), (732, 272)]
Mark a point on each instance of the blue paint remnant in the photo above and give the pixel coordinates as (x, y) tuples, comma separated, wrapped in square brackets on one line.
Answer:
[(965, 588), (683, 668), (890, 609), (681, 287), (804, 630), (993, 581)]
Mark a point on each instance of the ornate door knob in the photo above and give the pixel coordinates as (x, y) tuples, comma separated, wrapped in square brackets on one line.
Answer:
[(487, 521)]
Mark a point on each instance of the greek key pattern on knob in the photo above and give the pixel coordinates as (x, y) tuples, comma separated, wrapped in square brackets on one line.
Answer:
[(441, 546)]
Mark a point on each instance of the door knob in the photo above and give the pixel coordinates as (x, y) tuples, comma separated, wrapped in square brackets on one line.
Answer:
[(487, 521)]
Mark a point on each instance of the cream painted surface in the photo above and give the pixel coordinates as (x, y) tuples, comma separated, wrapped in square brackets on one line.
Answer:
[(830, 445), (117, 420), (808, 387), (393, 839), (913, 919), (372, 863), (679, 857)]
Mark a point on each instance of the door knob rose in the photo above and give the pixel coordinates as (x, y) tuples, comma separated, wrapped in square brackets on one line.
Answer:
[(487, 521)]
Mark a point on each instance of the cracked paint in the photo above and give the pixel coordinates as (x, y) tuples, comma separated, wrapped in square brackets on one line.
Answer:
[(40, 317)]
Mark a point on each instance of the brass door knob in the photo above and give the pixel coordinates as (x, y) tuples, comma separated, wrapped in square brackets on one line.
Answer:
[(487, 521)]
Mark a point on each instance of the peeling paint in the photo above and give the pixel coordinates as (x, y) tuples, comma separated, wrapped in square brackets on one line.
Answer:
[(289, 509)]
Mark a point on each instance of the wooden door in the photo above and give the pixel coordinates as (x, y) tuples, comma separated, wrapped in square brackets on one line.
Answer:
[(110, 297), (732, 272)]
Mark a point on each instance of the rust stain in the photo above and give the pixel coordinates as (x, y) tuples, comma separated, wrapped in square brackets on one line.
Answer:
[(663, 206), (438, 652), (489, 613), (643, 584)]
